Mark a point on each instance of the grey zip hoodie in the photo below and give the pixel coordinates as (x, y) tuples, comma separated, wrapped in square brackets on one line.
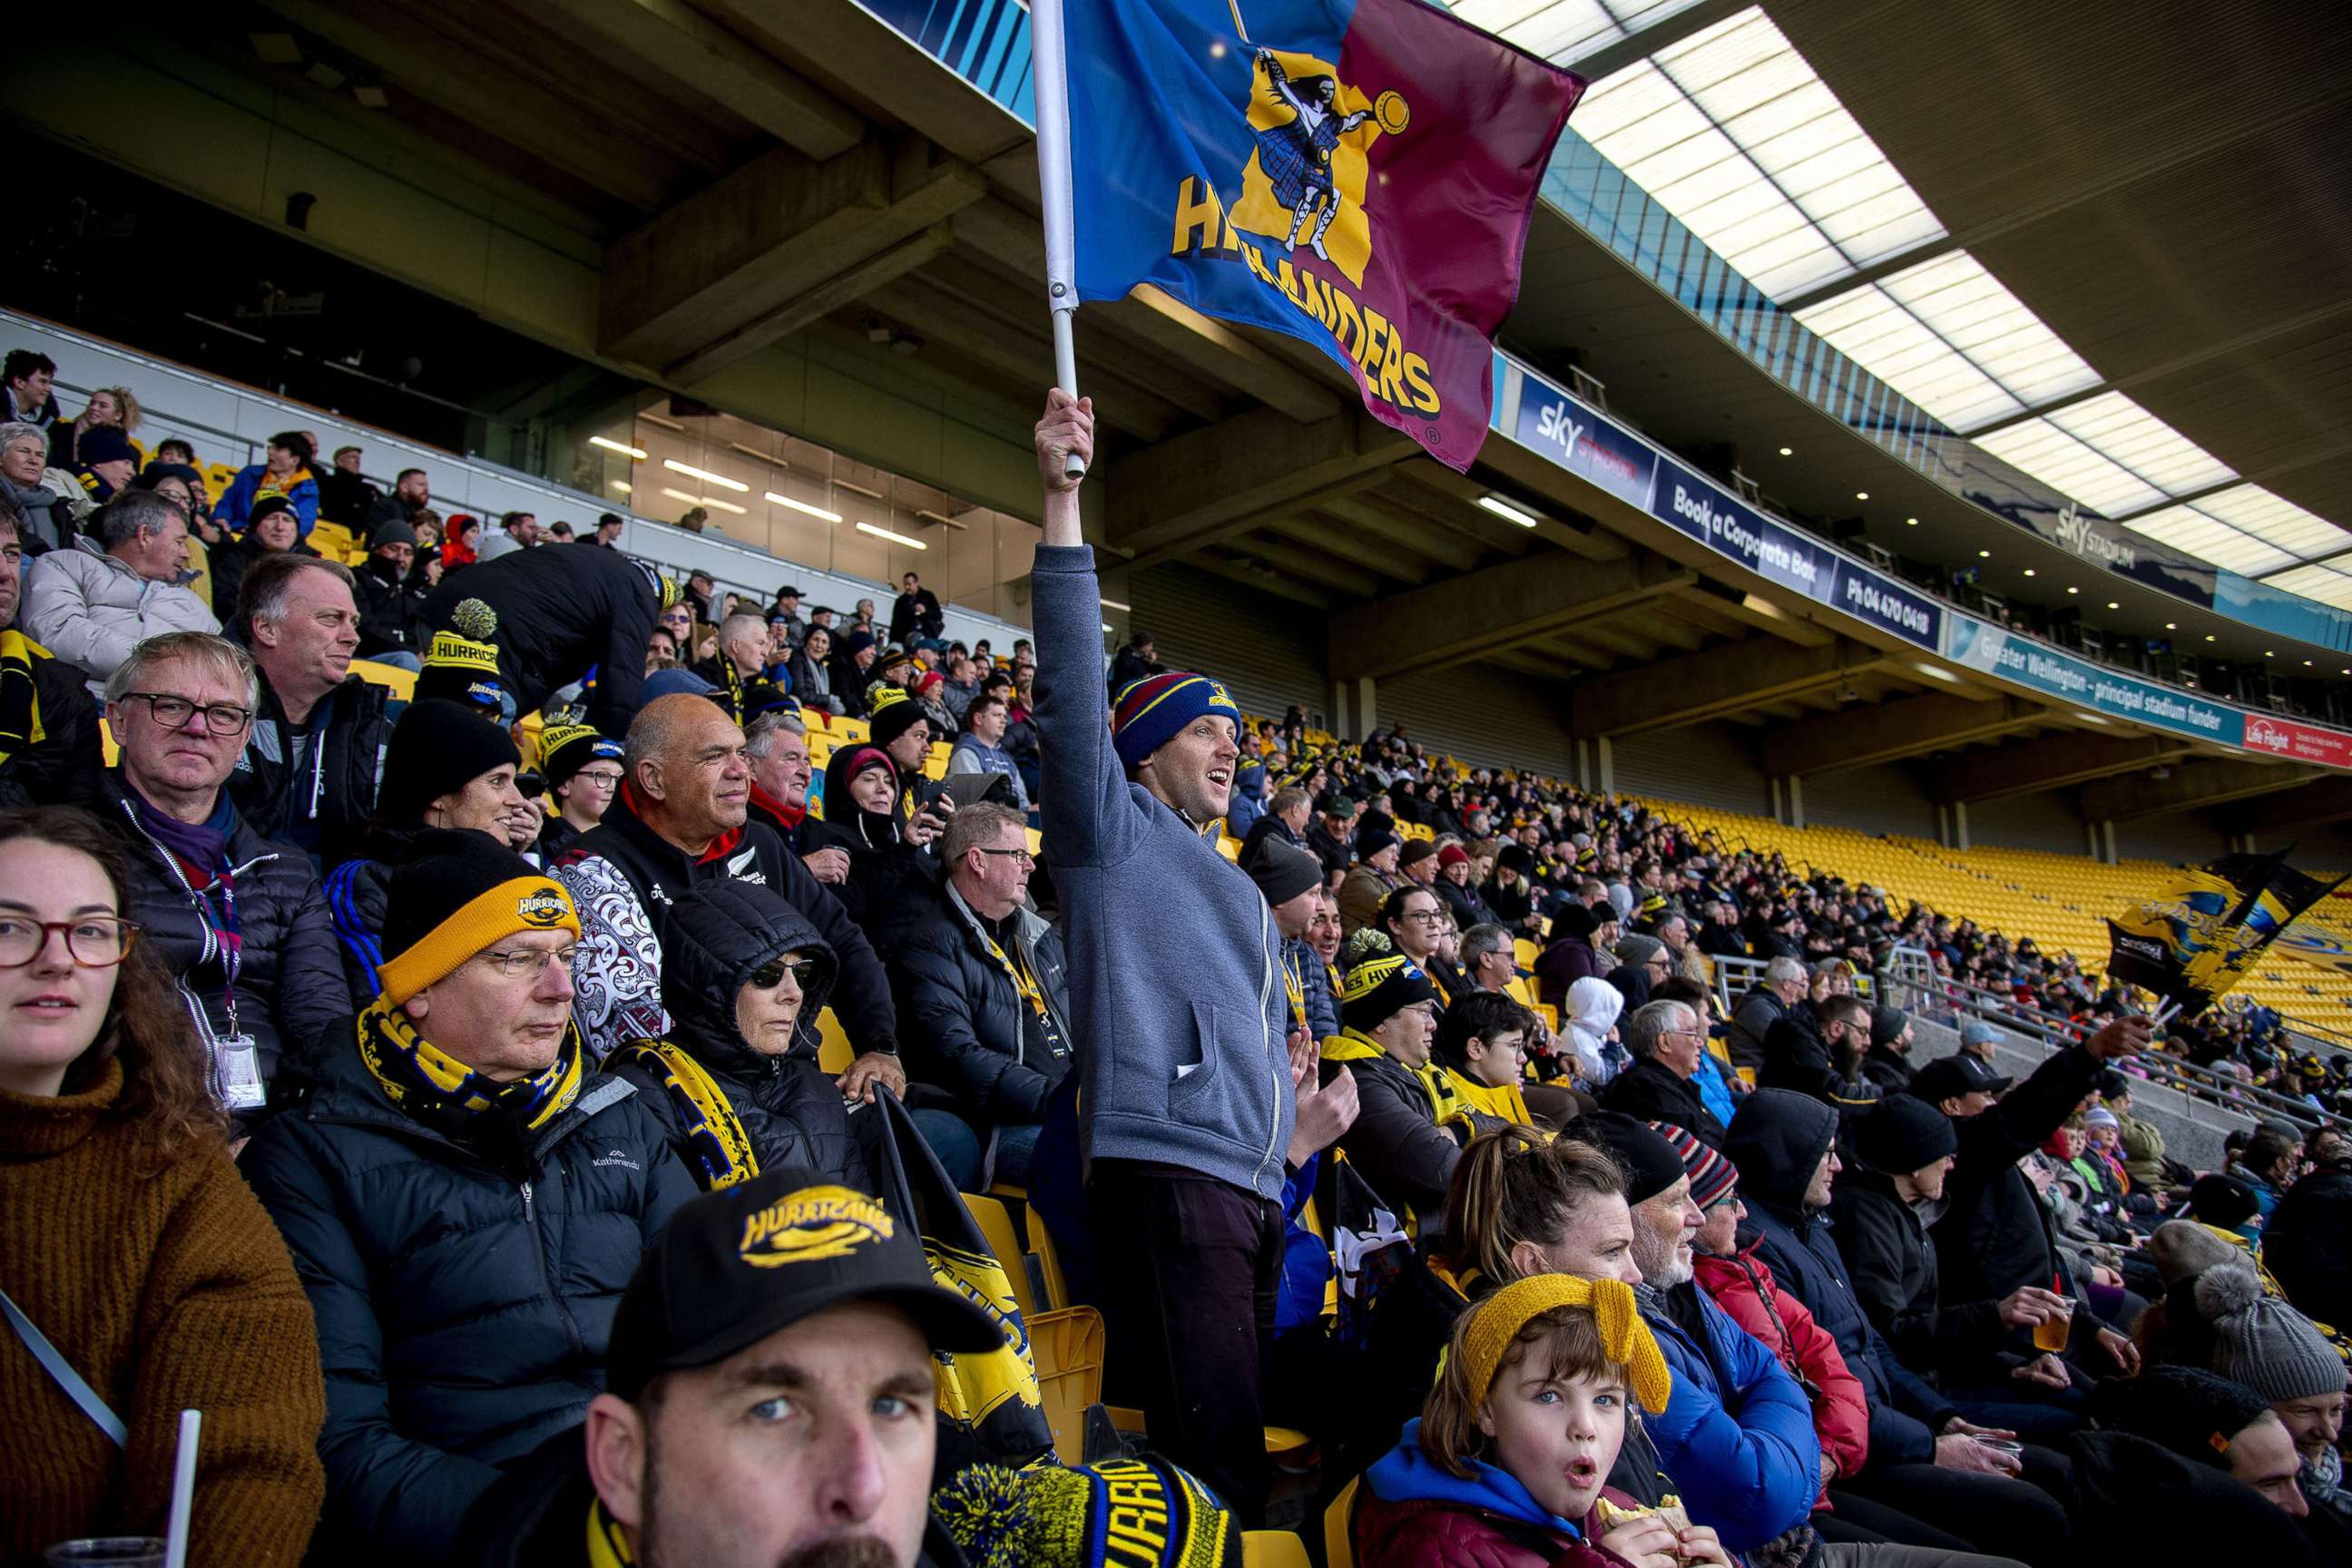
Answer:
[(1175, 974)]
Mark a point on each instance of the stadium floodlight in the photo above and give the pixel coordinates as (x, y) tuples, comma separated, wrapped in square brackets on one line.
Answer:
[(815, 511), (896, 538), (1503, 508), (634, 454), (706, 476), (712, 501)]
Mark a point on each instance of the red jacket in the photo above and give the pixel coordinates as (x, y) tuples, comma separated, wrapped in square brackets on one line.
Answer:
[(1428, 1533), (1744, 1288)]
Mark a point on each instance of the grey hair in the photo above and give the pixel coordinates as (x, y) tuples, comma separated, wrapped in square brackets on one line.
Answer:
[(1650, 1023), (17, 430), (742, 621), (654, 730), (1481, 940), (973, 826), (122, 519), (215, 656), (1783, 969), (262, 597), (760, 736)]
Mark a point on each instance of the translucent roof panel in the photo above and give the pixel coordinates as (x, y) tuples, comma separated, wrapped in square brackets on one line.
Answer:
[(1947, 335), (2108, 453), (2329, 582), (2246, 529), (1730, 130), (1565, 31)]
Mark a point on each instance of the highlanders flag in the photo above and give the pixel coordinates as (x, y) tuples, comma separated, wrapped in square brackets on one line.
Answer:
[(1357, 174), (2203, 930)]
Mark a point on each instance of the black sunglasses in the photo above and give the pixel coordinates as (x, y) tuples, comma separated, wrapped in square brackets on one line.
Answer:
[(770, 974)]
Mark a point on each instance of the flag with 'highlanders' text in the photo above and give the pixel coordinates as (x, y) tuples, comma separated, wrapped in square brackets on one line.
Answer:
[(1357, 174)]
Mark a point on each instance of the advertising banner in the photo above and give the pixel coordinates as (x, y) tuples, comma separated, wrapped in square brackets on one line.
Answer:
[(1888, 604), (1584, 442), (1770, 550), (2285, 738), (1978, 645)]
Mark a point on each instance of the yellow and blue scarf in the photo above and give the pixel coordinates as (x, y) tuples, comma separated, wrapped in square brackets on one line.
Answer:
[(20, 703), (445, 1094), (723, 1154)]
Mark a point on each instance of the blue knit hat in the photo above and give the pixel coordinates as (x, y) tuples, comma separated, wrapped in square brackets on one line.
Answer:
[(1151, 711)]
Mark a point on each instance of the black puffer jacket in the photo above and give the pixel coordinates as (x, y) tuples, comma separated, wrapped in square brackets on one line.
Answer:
[(891, 882), (463, 1302), (790, 1109), (392, 609), (228, 565), (290, 986), (964, 1021), (1651, 1092), (1992, 1236), (561, 613), (1895, 1274), (2307, 1243), (329, 801)]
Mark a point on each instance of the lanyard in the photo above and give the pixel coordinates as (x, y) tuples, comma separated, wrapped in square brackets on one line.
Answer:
[(224, 940), (1021, 981), (1297, 986)]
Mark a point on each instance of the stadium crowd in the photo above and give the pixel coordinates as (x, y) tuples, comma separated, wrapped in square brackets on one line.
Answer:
[(428, 1090)]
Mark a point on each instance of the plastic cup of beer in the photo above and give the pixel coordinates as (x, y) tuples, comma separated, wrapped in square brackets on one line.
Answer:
[(107, 1551), (2050, 1334)]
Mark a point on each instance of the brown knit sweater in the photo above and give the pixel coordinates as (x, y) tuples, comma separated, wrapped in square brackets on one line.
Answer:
[(167, 1289)]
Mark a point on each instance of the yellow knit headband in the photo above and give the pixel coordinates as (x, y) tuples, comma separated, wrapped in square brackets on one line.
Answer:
[(1624, 1338), (520, 904)]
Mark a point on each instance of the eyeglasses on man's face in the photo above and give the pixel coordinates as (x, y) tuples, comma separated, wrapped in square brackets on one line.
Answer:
[(173, 712), (517, 962), (1020, 856)]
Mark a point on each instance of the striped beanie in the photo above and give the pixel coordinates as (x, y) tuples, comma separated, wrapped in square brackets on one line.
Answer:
[(1712, 1177), (1131, 1512), (1151, 711)]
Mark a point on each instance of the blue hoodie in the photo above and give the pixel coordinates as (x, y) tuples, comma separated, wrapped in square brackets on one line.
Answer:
[(1408, 1475), (1175, 971)]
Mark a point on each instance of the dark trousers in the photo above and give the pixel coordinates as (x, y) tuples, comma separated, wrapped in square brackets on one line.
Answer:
[(2002, 1515), (1188, 1268), (1860, 1520)]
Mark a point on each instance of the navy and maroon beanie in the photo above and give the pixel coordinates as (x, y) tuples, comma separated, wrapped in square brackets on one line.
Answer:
[(1152, 711)]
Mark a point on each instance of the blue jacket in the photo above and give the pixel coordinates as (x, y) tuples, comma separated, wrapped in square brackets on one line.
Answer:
[(1714, 1089), (1737, 1435), (1405, 1474), (1777, 1140), (1175, 971), (1314, 988), (237, 501), (1249, 799), (1305, 1257)]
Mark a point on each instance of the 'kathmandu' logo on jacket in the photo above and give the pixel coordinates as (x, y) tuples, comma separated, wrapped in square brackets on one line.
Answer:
[(811, 1224)]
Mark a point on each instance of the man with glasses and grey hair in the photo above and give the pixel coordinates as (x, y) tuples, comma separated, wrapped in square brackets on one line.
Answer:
[(465, 1198), (1489, 957), (237, 920), (1666, 1039), (982, 991), (92, 604)]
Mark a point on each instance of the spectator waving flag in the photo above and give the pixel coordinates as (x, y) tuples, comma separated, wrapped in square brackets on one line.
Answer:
[(2202, 931), (1357, 174)]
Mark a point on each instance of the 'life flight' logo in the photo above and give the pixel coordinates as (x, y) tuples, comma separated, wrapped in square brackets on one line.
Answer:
[(811, 1225)]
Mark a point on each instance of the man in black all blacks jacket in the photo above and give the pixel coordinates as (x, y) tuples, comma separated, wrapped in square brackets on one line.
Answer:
[(563, 613), (677, 824)]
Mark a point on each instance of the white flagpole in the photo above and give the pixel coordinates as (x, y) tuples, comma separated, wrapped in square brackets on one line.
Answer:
[(1050, 56)]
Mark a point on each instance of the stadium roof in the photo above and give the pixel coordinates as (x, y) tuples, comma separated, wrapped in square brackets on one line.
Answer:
[(2113, 256)]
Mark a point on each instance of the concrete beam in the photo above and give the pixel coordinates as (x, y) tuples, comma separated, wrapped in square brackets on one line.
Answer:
[(2189, 787), (1671, 693), (1311, 564), (1891, 731), (846, 286), (1211, 483), (1484, 612), (1230, 568), (1755, 611), (2313, 804), (686, 44), (1373, 514), (2052, 762), (782, 228)]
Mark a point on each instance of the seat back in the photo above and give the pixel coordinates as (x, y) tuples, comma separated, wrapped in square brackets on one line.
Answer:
[(1338, 1551)]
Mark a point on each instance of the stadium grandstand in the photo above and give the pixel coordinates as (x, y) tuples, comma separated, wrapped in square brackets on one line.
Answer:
[(632, 866)]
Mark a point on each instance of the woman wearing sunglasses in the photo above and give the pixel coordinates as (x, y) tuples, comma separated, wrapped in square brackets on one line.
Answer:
[(135, 1254), (737, 1083)]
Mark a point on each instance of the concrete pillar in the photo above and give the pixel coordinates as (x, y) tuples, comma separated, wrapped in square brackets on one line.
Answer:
[(1796, 801), (1780, 812), (2102, 836), (1959, 824), (1368, 707), (1583, 766), (1339, 710), (1607, 766)]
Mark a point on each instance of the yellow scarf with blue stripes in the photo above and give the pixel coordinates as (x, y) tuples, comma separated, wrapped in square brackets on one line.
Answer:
[(723, 1154), (445, 1094)]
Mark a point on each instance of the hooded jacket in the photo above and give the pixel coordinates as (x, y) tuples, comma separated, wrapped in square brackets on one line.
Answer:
[(89, 608), (2308, 1244), (561, 614), (463, 1306), (1743, 1286), (1593, 1005), (1777, 1140), (790, 1109), (1737, 1435), (391, 607), (1895, 1274), (890, 880), (1175, 965), (252, 482), (1411, 1513), (624, 879), (967, 1024), (1993, 1235)]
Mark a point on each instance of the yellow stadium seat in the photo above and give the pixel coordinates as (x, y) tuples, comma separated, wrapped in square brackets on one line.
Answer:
[(996, 1223), (1525, 953), (1338, 1551), (1273, 1549), (200, 562), (833, 1051), (402, 682)]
